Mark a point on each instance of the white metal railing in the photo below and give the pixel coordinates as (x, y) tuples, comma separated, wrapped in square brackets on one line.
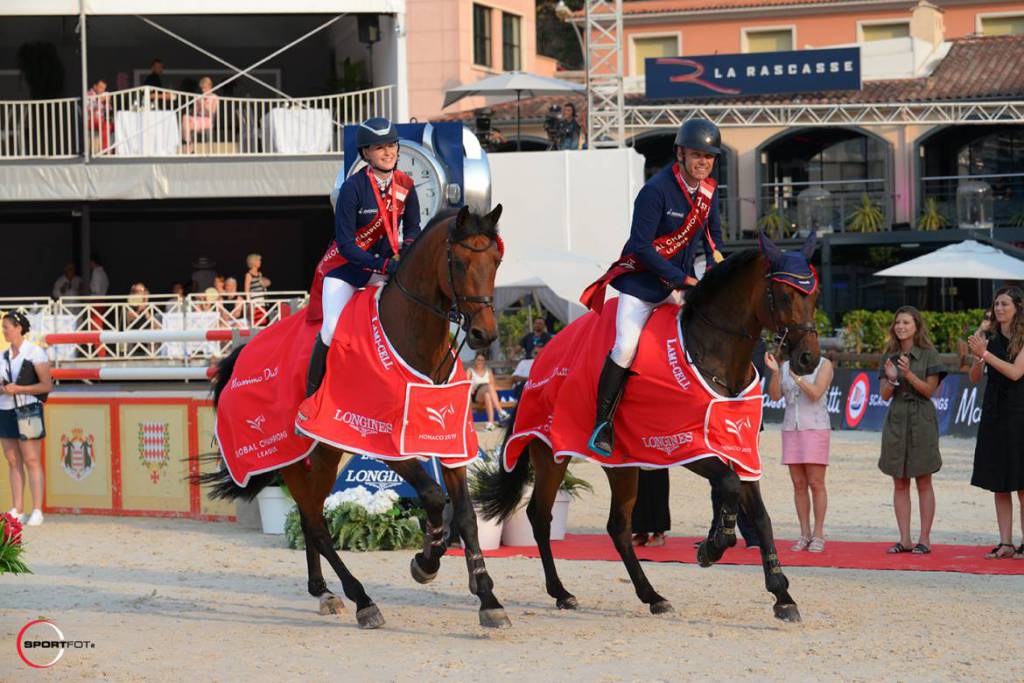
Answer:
[(149, 312), (40, 129), (155, 122)]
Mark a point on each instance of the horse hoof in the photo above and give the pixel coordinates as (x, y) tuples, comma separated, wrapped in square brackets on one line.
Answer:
[(567, 603), (662, 607), (331, 604), (418, 574), (370, 617), (702, 555), (494, 618), (788, 613)]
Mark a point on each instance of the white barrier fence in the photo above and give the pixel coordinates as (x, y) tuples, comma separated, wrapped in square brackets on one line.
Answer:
[(151, 329), (40, 129)]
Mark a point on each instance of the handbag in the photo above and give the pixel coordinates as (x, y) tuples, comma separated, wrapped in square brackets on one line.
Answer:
[(30, 415)]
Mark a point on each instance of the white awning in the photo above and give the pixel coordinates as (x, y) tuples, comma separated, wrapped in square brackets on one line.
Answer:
[(193, 7), (967, 259)]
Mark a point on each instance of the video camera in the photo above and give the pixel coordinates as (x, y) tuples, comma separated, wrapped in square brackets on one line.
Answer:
[(554, 124)]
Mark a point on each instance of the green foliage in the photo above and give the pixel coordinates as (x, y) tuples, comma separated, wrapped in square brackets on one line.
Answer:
[(1017, 220), (822, 322), (574, 485), (353, 528), (868, 331), (868, 217), (775, 224), (881, 256), (556, 38), (571, 484), (511, 328), (931, 218)]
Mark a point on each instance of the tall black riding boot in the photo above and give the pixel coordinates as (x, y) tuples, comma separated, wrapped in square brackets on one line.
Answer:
[(609, 390), (317, 366)]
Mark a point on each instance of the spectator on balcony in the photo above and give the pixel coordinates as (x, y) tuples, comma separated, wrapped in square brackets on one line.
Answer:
[(99, 283), (232, 306), (154, 79), (219, 283), (204, 110), (177, 304), (68, 284), (256, 286), (139, 315), (97, 105)]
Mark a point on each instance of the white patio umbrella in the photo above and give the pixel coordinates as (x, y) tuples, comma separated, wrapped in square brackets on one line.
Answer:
[(513, 83), (967, 259)]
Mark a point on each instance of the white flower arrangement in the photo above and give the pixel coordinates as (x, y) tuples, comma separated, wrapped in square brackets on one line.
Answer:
[(374, 503)]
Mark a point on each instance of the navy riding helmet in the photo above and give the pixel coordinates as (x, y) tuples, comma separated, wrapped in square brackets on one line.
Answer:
[(375, 131), (700, 134)]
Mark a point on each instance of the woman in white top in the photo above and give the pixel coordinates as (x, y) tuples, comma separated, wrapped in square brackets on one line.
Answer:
[(805, 442), (20, 387), (482, 390)]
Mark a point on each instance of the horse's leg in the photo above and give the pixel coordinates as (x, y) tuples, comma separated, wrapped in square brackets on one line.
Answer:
[(774, 580), (317, 587), (308, 490), (492, 614), (723, 532), (426, 563), (548, 476), (620, 528)]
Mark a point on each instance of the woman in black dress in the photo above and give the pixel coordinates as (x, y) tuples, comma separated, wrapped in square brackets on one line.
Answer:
[(999, 452)]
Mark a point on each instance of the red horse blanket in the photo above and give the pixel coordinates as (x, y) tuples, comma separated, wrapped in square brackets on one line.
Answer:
[(668, 414), (372, 402)]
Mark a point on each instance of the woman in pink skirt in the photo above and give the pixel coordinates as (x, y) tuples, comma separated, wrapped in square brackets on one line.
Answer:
[(805, 441)]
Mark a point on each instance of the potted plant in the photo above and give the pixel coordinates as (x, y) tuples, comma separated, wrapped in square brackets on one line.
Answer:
[(868, 217), (488, 530), (774, 223), (362, 521), (275, 501), (11, 546), (931, 218), (519, 532)]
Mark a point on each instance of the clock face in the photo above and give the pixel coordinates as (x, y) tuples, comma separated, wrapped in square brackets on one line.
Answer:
[(426, 173)]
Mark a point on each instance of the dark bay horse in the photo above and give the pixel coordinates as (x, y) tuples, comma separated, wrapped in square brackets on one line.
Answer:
[(721, 323), (448, 272)]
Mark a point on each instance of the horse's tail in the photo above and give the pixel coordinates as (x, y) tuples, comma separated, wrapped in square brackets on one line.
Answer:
[(219, 481), (498, 492)]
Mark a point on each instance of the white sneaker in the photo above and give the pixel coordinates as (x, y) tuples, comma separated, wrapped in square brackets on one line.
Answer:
[(36, 519), (13, 512), (489, 427), (504, 414)]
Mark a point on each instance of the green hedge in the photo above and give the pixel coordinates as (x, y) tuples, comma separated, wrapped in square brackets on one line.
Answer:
[(867, 331)]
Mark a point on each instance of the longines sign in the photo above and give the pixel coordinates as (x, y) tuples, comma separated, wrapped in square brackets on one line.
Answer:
[(753, 74)]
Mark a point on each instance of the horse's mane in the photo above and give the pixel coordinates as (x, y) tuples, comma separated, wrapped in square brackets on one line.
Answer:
[(716, 279)]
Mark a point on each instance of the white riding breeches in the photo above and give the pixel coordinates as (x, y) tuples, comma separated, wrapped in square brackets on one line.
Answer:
[(337, 294), (630, 319)]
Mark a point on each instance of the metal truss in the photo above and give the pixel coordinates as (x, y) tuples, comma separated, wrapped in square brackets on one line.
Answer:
[(605, 99), (644, 117)]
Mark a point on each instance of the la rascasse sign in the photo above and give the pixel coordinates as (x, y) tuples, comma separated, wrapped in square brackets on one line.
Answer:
[(753, 74)]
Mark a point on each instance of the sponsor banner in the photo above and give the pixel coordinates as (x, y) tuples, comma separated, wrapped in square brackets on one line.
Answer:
[(854, 402), (753, 73), (375, 475)]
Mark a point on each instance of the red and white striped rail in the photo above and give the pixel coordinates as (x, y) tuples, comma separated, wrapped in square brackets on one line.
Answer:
[(134, 374), (143, 336)]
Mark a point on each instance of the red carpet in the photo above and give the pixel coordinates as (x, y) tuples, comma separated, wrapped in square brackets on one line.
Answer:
[(965, 559)]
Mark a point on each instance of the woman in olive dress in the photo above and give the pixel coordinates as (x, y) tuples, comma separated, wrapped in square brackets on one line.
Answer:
[(999, 451)]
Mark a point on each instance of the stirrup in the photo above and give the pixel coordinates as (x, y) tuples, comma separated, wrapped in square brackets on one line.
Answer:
[(592, 443)]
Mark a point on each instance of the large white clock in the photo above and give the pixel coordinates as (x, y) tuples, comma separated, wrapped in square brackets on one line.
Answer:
[(426, 172)]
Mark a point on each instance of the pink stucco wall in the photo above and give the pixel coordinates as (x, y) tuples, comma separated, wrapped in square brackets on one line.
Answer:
[(440, 50)]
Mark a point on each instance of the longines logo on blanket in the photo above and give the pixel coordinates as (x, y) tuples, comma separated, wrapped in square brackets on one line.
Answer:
[(362, 424), (380, 345), (267, 375), (41, 644), (668, 443)]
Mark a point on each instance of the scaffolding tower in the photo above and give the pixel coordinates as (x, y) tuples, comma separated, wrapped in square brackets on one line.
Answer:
[(605, 101)]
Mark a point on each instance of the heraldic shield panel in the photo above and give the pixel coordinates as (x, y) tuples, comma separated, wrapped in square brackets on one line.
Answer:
[(78, 456), (154, 446), (207, 444)]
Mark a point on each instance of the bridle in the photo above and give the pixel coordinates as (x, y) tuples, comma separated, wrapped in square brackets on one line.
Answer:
[(454, 313)]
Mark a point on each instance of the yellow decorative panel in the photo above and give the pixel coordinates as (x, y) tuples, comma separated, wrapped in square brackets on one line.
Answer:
[(78, 456), (207, 444), (154, 448)]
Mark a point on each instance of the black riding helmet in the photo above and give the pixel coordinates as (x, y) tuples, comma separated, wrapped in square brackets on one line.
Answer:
[(700, 134)]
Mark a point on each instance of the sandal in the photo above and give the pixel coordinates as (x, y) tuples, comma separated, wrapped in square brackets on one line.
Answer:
[(897, 548), (1019, 555), (998, 553), (801, 544), (817, 545), (921, 549), (656, 541), (640, 539)]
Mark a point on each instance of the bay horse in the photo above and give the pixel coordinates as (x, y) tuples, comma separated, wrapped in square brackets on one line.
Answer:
[(721, 323), (447, 274)]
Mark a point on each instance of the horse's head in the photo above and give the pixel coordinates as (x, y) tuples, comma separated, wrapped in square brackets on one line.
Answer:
[(790, 295), (467, 276)]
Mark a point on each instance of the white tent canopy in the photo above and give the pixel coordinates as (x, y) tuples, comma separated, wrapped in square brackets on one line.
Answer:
[(968, 259), (193, 7)]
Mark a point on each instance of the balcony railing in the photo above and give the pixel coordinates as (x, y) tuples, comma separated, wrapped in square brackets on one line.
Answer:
[(151, 312), (1007, 195), (847, 196), (148, 122), (40, 129)]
